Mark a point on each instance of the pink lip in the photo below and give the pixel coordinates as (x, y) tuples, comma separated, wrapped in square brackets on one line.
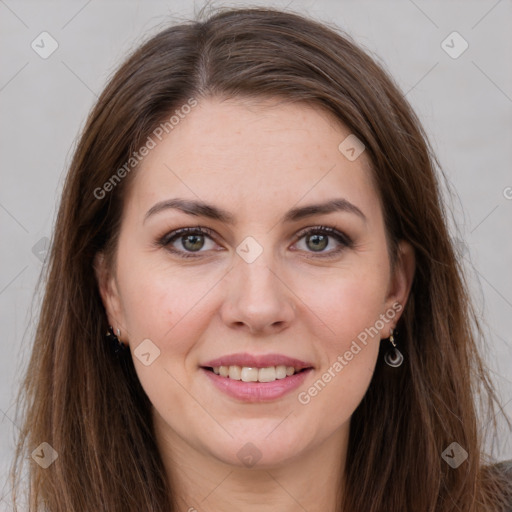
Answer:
[(257, 361), (256, 391)]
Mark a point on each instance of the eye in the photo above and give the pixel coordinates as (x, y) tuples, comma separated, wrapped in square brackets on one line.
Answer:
[(189, 242), (185, 241), (319, 238)]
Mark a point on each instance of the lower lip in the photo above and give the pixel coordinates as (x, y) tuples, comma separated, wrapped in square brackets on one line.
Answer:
[(257, 391)]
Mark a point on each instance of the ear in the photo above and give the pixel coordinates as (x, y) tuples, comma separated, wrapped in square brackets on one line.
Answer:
[(400, 284), (108, 289)]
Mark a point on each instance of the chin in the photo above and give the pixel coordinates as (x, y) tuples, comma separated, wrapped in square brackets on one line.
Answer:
[(260, 451)]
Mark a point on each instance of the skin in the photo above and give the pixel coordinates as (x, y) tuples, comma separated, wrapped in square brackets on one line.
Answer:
[(256, 160)]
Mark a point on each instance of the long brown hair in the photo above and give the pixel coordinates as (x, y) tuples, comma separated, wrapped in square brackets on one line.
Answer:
[(90, 406)]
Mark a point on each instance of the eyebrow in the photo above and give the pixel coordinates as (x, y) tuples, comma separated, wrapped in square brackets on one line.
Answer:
[(202, 209)]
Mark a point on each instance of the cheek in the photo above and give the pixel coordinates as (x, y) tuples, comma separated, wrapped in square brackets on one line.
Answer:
[(351, 310), (162, 307), (167, 306), (149, 304), (348, 305)]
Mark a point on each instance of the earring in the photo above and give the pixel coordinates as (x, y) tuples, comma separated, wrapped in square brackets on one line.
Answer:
[(393, 356), (115, 343)]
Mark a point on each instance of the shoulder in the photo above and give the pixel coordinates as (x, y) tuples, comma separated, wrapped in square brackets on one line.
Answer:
[(505, 466), (504, 470)]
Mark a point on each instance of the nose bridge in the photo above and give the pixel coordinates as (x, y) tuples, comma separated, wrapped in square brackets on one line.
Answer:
[(257, 277), (257, 296)]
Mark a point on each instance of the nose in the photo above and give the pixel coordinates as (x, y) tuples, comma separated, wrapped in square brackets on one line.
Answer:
[(258, 299)]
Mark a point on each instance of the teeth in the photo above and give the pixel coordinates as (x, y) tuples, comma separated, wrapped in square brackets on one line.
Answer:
[(267, 374), (248, 374), (235, 372), (281, 372)]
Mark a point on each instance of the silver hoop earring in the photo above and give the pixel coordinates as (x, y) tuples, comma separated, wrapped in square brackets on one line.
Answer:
[(393, 356)]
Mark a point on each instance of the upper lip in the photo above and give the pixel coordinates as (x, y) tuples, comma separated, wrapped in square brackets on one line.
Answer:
[(257, 361)]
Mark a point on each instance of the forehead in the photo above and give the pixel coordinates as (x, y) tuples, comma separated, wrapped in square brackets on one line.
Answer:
[(258, 156)]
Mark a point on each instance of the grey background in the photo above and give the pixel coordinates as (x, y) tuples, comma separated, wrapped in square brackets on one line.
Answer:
[(465, 105)]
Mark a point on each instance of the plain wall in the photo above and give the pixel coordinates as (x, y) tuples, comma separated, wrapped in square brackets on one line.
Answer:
[(465, 104)]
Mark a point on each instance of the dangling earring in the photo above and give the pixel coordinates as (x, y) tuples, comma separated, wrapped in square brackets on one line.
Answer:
[(393, 356), (116, 344)]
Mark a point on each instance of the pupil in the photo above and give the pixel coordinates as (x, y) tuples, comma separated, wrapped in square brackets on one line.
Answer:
[(318, 244)]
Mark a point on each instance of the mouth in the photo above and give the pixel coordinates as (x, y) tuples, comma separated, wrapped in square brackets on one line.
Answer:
[(250, 384), (256, 377)]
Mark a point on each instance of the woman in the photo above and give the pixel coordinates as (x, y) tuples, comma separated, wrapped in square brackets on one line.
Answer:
[(252, 297)]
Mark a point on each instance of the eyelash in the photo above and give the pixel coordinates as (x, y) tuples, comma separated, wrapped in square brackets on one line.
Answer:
[(344, 240)]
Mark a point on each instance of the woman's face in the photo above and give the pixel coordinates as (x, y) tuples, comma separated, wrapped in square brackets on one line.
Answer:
[(260, 286)]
